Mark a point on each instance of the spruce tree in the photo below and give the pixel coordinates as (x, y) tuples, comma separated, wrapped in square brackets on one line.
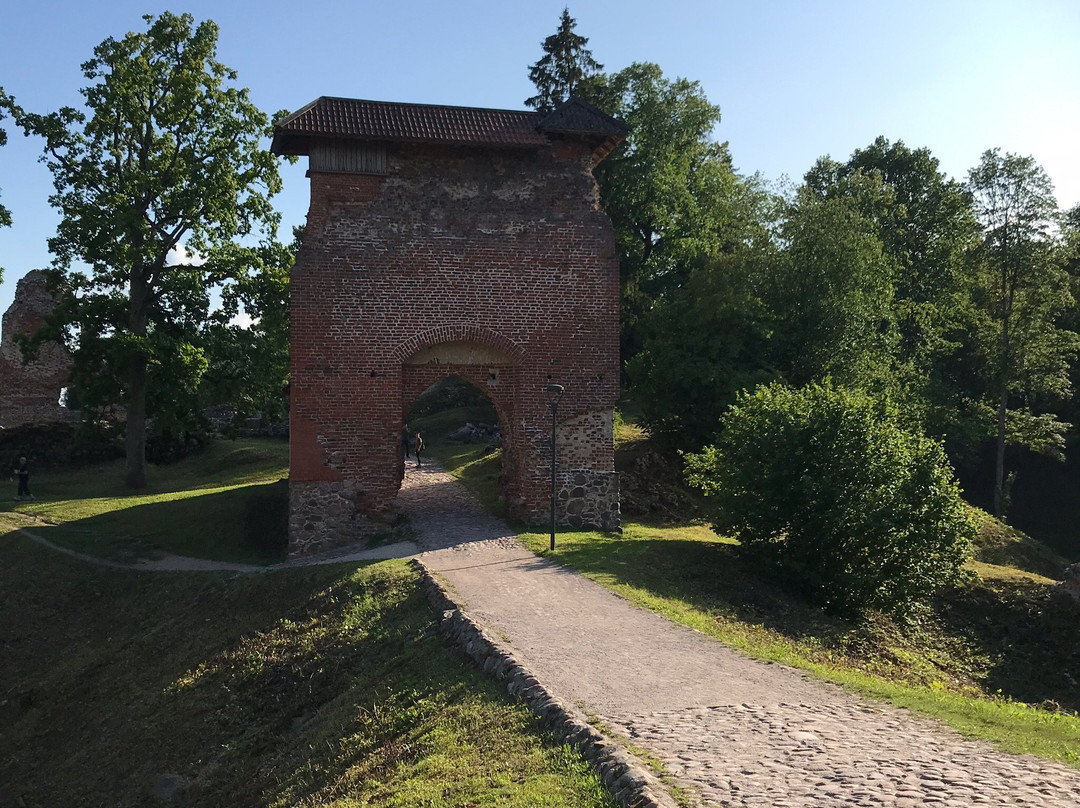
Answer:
[(565, 63)]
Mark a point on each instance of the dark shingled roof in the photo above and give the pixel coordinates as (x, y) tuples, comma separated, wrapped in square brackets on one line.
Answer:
[(577, 117), (352, 118)]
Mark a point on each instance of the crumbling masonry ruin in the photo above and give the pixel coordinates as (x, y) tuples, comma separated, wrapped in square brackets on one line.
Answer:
[(450, 241), (29, 393)]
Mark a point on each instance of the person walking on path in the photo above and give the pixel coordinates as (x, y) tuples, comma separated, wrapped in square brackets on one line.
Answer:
[(406, 440), (418, 447), (22, 472)]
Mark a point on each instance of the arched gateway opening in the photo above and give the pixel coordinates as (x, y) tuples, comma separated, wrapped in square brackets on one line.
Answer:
[(462, 424), (449, 386), (449, 241)]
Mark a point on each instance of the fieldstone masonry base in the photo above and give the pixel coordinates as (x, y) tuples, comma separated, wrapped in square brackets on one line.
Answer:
[(323, 515), (584, 499)]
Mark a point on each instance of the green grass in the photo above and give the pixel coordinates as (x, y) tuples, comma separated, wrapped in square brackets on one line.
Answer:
[(695, 578), (226, 503), (317, 686), (995, 658)]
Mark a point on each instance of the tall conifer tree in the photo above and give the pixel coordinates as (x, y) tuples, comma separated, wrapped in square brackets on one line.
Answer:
[(565, 64)]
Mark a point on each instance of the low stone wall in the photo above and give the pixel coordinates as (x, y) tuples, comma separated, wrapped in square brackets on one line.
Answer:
[(623, 775)]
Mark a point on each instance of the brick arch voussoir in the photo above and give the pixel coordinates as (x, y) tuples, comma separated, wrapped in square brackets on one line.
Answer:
[(415, 380), (458, 333)]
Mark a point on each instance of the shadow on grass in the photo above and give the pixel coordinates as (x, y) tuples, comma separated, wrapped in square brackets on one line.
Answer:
[(1031, 638), (222, 463), (245, 524), (711, 576), (294, 687)]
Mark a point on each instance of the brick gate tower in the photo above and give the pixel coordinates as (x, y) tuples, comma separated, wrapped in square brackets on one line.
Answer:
[(450, 241)]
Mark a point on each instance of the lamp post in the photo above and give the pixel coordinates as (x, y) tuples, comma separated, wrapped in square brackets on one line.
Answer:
[(558, 390)]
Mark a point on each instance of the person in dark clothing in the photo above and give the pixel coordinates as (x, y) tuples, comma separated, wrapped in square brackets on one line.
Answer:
[(22, 472), (418, 447), (406, 441)]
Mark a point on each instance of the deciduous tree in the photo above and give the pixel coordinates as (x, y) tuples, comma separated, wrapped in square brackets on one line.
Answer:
[(247, 339), (1020, 290), (830, 293), (669, 187), (927, 227), (5, 214), (166, 156)]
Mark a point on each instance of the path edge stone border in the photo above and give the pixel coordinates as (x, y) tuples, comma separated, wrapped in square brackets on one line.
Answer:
[(624, 776)]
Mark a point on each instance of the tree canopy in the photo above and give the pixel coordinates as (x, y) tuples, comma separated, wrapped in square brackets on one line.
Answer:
[(5, 214), (165, 161), (669, 187), (1020, 289)]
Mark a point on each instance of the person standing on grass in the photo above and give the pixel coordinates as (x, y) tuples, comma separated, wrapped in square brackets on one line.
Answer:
[(418, 447), (22, 472)]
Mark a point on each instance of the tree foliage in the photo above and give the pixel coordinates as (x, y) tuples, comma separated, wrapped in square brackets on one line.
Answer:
[(565, 64), (927, 229), (168, 159), (830, 293), (669, 187), (822, 484), (1020, 289), (5, 214), (247, 339), (703, 344)]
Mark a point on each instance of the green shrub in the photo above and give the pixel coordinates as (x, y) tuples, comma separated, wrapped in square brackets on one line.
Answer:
[(824, 486)]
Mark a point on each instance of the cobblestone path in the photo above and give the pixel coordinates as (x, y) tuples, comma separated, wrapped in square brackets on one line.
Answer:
[(732, 731)]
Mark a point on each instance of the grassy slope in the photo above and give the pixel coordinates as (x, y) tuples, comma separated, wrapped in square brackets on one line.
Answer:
[(225, 503), (997, 658), (319, 686)]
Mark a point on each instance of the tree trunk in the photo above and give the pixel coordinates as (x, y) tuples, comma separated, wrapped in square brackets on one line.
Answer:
[(135, 428), (999, 470), (1003, 398)]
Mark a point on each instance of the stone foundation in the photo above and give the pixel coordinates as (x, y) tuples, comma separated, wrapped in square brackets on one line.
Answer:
[(323, 515), (583, 499)]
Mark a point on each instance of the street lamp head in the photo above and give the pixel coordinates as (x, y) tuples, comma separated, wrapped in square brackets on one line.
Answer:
[(555, 388)]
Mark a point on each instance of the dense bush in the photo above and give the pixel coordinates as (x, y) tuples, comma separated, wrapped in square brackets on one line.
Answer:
[(824, 486)]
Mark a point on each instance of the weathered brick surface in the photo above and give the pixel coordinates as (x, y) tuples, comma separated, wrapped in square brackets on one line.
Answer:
[(29, 392), (503, 256)]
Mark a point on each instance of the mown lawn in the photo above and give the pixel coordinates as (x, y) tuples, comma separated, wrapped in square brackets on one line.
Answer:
[(226, 503), (319, 686)]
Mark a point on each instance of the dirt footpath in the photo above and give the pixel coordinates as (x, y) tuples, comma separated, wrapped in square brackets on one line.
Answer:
[(731, 730)]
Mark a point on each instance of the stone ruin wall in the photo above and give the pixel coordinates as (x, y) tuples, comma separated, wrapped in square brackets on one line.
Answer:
[(29, 393)]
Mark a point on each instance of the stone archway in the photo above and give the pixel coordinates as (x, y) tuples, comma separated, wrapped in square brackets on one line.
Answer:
[(450, 241)]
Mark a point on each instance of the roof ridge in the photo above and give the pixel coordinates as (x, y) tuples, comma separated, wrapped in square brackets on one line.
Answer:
[(407, 122), (530, 112)]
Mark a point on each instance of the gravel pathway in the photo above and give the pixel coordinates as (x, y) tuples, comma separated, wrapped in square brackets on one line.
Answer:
[(732, 731)]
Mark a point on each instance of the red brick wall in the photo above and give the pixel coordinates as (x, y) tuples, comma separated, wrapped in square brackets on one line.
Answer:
[(29, 392), (502, 248)]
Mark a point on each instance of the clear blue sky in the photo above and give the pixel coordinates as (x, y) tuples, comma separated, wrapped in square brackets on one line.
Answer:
[(795, 80)]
